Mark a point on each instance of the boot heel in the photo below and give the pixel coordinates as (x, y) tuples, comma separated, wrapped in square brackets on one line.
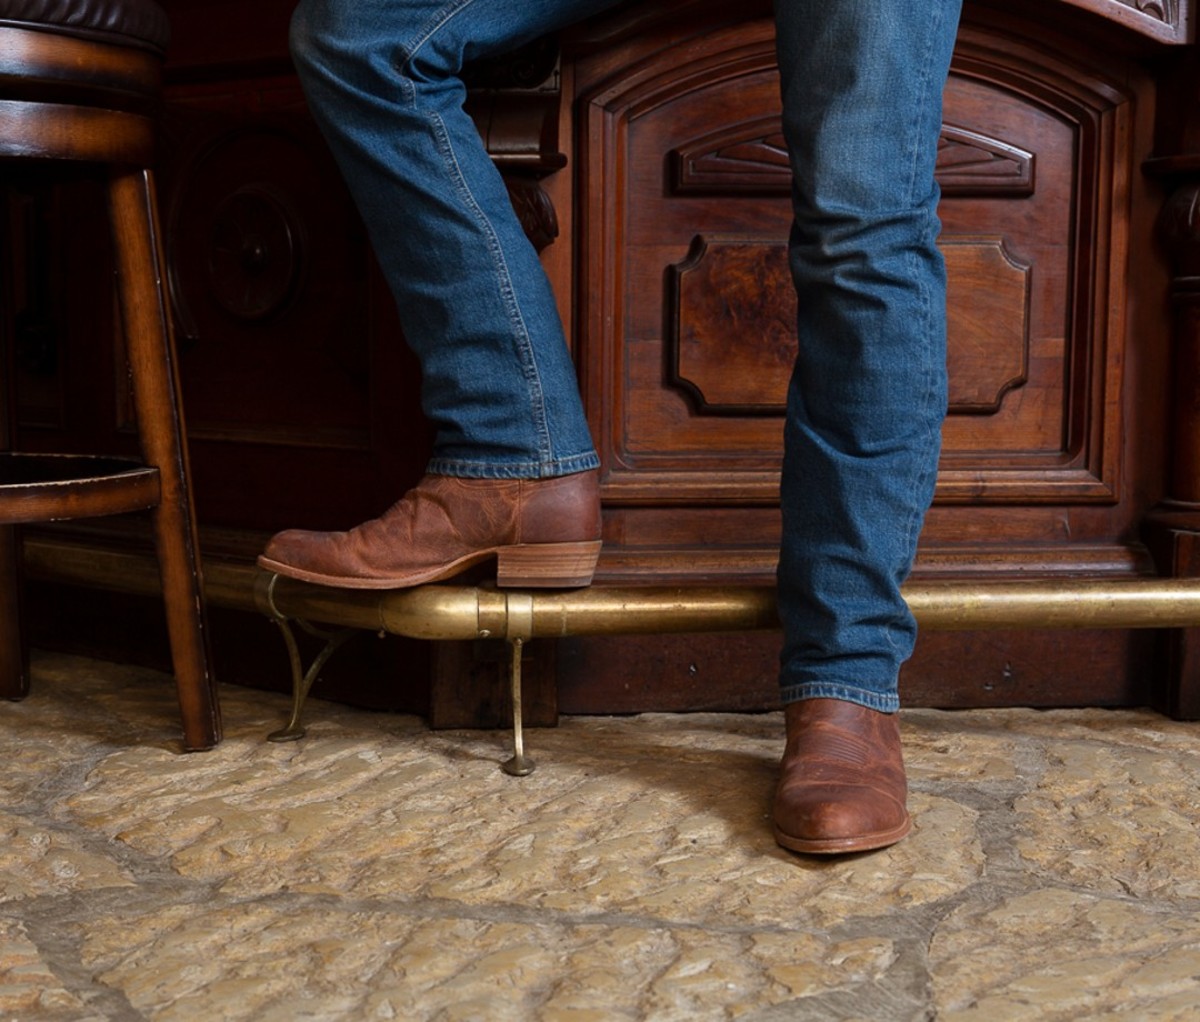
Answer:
[(547, 565)]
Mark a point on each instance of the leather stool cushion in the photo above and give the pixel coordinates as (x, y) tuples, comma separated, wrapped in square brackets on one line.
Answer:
[(123, 22)]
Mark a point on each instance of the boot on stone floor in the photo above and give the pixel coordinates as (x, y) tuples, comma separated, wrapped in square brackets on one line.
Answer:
[(842, 786)]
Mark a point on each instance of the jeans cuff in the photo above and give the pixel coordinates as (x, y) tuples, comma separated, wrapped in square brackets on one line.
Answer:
[(885, 702), (467, 469)]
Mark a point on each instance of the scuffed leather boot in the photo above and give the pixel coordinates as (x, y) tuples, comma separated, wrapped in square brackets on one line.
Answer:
[(542, 533), (841, 785)]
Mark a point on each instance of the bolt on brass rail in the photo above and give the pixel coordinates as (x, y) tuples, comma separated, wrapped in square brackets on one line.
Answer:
[(450, 612)]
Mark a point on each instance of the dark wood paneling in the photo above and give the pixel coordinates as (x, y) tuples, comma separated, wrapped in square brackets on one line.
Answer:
[(664, 240), (687, 326)]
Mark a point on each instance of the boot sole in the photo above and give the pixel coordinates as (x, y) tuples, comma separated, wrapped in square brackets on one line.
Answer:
[(843, 845), (523, 566)]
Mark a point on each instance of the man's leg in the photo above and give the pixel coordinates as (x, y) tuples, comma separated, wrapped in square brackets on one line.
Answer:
[(862, 86), (383, 81)]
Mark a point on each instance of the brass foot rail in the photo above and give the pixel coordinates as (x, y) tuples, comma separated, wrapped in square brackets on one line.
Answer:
[(517, 616)]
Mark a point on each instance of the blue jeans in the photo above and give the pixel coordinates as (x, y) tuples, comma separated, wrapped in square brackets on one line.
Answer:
[(862, 91), (862, 82)]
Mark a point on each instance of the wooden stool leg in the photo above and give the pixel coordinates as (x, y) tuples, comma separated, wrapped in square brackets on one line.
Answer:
[(151, 348)]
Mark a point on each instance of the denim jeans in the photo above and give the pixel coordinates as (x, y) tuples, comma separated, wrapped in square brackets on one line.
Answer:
[(862, 90), (862, 83)]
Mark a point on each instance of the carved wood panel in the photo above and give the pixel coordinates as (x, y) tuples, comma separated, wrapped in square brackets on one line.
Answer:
[(268, 267), (687, 324), (302, 400)]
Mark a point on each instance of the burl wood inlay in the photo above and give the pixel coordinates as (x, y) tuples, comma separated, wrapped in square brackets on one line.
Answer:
[(735, 324)]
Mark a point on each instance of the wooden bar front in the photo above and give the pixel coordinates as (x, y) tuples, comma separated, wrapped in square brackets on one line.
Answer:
[(643, 151)]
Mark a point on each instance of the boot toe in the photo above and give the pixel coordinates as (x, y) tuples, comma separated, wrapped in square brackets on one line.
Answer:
[(283, 546), (294, 547), (297, 553), (844, 820)]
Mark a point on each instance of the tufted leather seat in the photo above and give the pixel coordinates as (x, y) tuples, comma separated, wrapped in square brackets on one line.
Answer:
[(79, 80), (121, 22)]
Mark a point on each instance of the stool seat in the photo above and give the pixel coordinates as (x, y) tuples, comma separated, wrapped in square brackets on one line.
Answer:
[(120, 22), (57, 487), (79, 81)]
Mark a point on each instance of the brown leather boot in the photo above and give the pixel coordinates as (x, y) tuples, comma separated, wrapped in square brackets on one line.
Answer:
[(842, 786), (542, 532)]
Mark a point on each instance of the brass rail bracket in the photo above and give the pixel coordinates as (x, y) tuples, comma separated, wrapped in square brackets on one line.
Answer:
[(302, 680), (516, 623), (520, 765)]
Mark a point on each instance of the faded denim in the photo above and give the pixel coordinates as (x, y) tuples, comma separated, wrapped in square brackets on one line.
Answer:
[(862, 83)]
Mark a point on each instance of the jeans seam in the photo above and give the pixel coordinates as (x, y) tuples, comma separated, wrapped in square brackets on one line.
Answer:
[(523, 343), (433, 25), (921, 105), (912, 527), (524, 347)]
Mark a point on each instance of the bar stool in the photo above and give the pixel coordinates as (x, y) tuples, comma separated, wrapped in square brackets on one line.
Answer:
[(79, 81)]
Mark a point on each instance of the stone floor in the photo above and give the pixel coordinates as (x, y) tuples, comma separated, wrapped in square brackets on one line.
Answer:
[(377, 870)]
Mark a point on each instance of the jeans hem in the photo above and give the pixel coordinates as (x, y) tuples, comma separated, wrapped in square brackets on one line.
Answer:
[(884, 702), (466, 469)]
